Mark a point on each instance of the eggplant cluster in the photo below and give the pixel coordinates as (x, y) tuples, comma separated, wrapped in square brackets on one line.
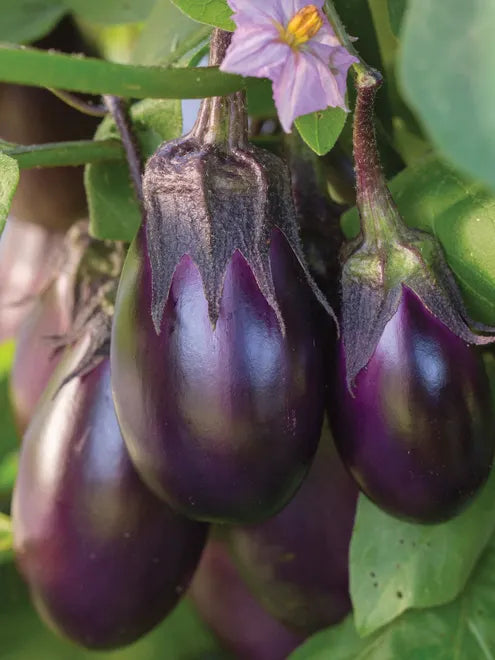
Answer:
[(196, 393)]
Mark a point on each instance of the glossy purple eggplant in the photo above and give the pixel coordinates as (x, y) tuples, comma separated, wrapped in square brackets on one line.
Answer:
[(232, 612), (221, 423), (417, 431), (104, 559), (296, 563)]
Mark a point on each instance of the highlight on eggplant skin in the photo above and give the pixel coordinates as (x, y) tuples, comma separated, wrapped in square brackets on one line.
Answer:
[(417, 431), (104, 559), (223, 424), (296, 563), (227, 606)]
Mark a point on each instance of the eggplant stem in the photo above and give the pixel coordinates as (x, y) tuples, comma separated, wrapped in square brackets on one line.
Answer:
[(118, 109)]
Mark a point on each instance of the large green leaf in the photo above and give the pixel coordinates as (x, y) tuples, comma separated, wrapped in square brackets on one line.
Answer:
[(461, 630), (23, 21), (167, 34), (320, 130), (447, 71), (23, 636), (9, 177), (396, 10), (113, 209), (212, 12), (110, 11), (461, 213), (413, 566)]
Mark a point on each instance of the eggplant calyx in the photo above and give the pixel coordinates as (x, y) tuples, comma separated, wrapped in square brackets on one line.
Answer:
[(211, 194), (389, 256)]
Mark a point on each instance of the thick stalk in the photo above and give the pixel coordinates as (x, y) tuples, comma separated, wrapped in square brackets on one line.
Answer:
[(222, 120), (380, 219)]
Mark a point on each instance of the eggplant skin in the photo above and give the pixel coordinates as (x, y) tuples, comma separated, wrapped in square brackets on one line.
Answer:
[(418, 430), (104, 559), (222, 424), (227, 606), (296, 563)]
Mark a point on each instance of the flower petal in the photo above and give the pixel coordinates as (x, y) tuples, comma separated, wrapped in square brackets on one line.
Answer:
[(257, 11), (306, 84), (255, 52)]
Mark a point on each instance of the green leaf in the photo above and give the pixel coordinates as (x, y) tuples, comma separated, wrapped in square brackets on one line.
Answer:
[(167, 35), (8, 472), (447, 71), (9, 178), (23, 635), (396, 10), (461, 214), (27, 20), (320, 130), (413, 566), (212, 12), (110, 11), (5, 538), (29, 66), (461, 630), (113, 209)]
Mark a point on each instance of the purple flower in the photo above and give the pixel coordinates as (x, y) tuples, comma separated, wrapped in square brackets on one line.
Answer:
[(292, 43)]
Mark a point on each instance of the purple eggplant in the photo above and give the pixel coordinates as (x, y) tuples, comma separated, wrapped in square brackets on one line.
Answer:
[(28, 253), (36, 356), (104, 559), (296, 563), (231, 611), (221, 423), (417, 430), (217, 368)]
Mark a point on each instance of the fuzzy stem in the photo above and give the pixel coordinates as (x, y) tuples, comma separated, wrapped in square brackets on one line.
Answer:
[(222, 120), (360, 68), (119, 113), (380, 219), (87, 108)]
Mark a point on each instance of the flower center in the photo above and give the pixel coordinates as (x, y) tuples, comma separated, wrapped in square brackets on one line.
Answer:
[(302, 26)]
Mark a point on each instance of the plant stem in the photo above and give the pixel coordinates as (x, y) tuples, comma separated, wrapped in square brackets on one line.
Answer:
[(222, 120), (29, 66), (380, 219), (91, 109), (118, 110), (55, 154), (359, 67)]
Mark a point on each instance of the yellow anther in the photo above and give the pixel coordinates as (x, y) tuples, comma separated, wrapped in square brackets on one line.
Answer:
[(303, 26)]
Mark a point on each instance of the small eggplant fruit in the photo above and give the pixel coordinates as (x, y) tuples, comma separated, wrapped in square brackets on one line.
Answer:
[(217, 373), (51, 316), (104, 559), (227, 606), (417, 430), (410, 406), (296, 563), (28, 253)]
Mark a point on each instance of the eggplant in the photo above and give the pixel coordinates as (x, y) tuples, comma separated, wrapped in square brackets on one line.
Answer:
[(227, 606), (104, 559), (28, 253), (417, 430), (217, 369), (296, 563), (410, 405), (221, 423), (36, 355)]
